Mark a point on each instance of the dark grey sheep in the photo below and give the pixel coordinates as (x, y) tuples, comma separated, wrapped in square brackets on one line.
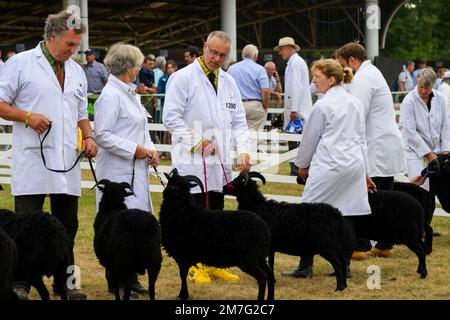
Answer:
[(222, 239), (126, 241), (303, 229)]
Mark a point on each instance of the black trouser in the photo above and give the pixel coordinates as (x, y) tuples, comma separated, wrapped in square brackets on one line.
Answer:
[(215, 200), (63, 206), (382, 183), (348, 244)]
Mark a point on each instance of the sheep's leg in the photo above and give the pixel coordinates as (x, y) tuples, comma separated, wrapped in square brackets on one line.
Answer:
[(272, 259), (60, 281), (40, 287), (256, 272), (270, 280), (127, 279), (152, 276), (343, 270), (184, 268), (418, 248), (428, 238), (338, 270), (112, 275)]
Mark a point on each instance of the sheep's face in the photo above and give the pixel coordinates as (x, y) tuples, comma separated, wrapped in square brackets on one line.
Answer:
[(182, 183), (439, 169), (115, 189), (243, 182)]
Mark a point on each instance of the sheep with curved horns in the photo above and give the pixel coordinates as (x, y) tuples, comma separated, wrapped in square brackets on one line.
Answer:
[(296, 229), (126, 241), (222, 238)]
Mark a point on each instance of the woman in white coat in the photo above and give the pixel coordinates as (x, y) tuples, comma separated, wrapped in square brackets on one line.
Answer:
[(333, 153), (122, 133), (444, 88), (121, 128), (424, 124)]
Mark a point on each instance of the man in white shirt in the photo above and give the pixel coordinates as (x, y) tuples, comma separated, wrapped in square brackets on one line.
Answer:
[(39, 87), (297, 94), (405, 79), (384, 141)]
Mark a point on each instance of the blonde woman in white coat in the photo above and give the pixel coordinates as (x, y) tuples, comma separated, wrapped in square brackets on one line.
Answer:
[(424, 124), (333, 153), (121, 131)]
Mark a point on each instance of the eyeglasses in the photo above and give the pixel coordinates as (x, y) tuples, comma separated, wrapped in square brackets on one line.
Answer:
[(214, 53)]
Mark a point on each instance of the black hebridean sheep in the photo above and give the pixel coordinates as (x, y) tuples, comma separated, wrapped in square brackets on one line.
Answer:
[(41, 241), (303, 229), (438, 173), (396, 218), (191, 234), (427, 200), (8, 263), (126, 241)]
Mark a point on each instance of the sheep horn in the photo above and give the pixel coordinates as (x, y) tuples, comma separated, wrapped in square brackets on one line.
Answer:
[(101, 184), (254, 174), (196, 180)]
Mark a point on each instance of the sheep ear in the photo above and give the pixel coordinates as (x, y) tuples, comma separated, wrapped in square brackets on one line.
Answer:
[(254, 174), (1, 188)]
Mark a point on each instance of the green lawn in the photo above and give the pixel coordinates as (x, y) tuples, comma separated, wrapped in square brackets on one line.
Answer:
[(399, 279)]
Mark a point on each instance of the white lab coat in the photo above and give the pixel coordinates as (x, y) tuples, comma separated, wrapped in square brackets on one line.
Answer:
[(120, 126), (28, 82), (193, 111), (1, 65), (424, 131), (334, 149), (444, 88), (297, 92), (384, 141)]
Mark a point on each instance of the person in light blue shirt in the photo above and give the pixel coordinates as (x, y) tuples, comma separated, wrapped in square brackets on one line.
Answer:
[(96, 73), (422, 64), (253, 84)]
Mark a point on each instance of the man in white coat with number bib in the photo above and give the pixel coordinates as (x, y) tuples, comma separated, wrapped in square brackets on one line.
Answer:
[(204, 112), (384, 142), (39, 87)]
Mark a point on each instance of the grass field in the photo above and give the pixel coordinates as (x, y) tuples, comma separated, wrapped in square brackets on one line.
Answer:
[(399, 279)]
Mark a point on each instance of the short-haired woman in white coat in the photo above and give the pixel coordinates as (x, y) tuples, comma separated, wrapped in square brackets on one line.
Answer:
[(424, 124), (121, 131), (332, 157)]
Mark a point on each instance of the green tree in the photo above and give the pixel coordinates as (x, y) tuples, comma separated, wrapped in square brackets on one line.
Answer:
[(420, 29)]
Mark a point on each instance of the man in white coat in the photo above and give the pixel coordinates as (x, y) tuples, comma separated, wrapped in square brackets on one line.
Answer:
[(384, 141), (297, 94), (41, 89), (204, 112), (424, 124)]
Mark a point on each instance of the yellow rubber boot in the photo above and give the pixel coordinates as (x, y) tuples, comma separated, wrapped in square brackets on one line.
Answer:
[(359, 255), (382, 253), (223, 274), (199, 275)]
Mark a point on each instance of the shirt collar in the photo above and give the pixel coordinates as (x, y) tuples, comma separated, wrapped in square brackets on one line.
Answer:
[(205, 68), (49, 56), (292, 58), (128, 88)]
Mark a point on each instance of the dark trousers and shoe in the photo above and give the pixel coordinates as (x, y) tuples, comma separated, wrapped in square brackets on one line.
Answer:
[(304, 269), (136, 287), (65, 208), (381, 249)]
